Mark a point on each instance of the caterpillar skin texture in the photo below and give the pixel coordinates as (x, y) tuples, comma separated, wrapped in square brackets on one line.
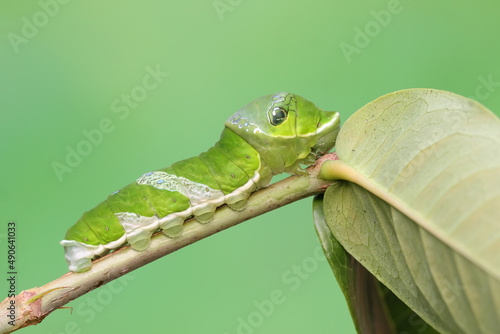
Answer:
[(273, 134)]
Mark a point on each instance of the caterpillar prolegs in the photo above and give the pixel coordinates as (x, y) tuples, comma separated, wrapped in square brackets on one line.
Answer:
[(273, 134)]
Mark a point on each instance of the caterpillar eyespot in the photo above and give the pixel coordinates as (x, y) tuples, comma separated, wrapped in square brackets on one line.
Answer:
[(278, 116), (274, 142)]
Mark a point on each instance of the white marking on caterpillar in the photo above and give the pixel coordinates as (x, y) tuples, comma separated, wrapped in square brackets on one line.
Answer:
[(160, 180), (196, 192), (130, 221), (79, 255)]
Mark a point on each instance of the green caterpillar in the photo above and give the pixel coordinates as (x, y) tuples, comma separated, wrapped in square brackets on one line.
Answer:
[(273, 134)]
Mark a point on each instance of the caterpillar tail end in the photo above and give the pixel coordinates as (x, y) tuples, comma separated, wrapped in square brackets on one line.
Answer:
[(79, 256)]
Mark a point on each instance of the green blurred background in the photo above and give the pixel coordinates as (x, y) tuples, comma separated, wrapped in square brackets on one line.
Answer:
[(66, 66)]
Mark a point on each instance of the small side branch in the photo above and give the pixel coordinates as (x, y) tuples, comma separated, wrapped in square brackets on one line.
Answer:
[(33, 305)]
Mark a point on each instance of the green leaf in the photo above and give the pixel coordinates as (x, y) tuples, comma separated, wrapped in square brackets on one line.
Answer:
[(374, 308), (420, 205)]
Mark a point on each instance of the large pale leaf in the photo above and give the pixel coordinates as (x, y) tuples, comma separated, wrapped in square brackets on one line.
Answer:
[(429, 229), (374, 308)]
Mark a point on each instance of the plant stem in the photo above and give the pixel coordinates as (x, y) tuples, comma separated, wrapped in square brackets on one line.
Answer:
[(33, 305)]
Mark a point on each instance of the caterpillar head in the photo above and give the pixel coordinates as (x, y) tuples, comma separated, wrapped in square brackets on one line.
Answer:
[(286, 130)]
